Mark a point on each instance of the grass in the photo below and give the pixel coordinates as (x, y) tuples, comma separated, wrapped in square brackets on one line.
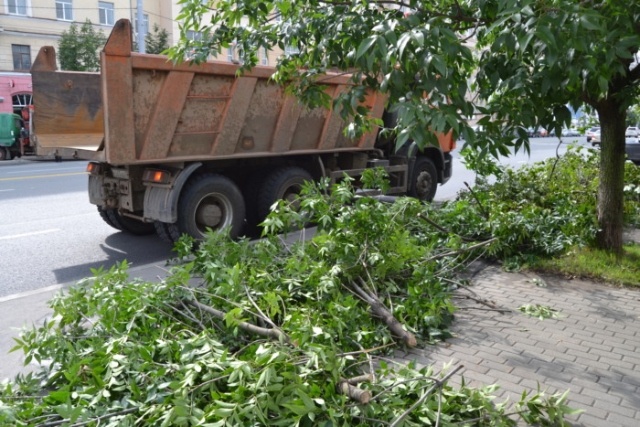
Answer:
[(597, 265)]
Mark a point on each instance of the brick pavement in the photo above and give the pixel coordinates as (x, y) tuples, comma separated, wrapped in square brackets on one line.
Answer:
[(591, 349)]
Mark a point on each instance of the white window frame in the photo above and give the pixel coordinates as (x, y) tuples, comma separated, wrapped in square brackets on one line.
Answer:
[(106, 10), (195, 36), (25, 5), (291, 50), (265, 56), (64, 10)]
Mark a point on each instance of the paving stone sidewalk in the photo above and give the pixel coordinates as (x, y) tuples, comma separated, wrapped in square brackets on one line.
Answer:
[(591, 349)]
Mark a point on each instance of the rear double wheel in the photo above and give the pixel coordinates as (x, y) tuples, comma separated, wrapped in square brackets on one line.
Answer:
[(124, 223), (281, 184), (210, 202), (423, 181)]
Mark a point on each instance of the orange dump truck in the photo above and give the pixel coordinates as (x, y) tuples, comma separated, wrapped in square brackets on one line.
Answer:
[(185, 148)]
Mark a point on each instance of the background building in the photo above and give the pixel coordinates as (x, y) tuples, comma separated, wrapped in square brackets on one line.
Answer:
[(27, 25)]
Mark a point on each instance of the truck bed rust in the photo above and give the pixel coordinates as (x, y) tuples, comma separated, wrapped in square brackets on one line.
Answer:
[(148, 110)]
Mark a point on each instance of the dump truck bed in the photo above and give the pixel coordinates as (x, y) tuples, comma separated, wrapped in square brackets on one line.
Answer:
[(144, 109)]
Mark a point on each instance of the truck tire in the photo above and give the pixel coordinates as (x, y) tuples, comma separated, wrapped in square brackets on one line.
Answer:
[(210, 201), (423, 181), (123, 223), (283, 183), (4, 154), (167, 232)]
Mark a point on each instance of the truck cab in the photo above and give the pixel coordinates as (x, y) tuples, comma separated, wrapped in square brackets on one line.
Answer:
[(11, 126)]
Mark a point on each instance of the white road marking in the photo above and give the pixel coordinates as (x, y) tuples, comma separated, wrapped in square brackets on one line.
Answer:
[(33, 233), (8, 189), (30, 293), (47, 170)]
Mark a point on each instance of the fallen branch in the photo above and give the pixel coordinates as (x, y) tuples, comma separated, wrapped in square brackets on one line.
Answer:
[(437, 384), (91, 421), (380, 311), (354, 393), (366, 378), (462, 250), (273, 333), (473, 194), (441, 228)]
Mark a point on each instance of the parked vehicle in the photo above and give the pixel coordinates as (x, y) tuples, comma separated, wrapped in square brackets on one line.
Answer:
[(632, 149), (11, 129), (570, 132), (591, 132), (190, 148), (632, 132)]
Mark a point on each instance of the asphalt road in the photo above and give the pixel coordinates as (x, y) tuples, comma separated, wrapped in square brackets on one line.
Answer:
[(51, 234)]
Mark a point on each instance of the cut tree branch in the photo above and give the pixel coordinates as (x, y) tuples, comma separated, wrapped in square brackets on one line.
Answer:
[(354, 393), (436, 385), (462, 250), (273, 333), (379, 310)]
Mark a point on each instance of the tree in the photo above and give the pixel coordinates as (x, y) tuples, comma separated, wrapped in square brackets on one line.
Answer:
[(78, 48), (532, 60), (157, 41)]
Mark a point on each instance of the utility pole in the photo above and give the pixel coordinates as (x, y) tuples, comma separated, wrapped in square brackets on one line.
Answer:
[(141, 27)]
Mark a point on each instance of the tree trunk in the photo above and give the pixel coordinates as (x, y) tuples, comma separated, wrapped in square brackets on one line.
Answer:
[(610, 191)]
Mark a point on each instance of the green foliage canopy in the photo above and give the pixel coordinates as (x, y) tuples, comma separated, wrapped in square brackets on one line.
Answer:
[(513, 63), (78, 48), (531, 58)]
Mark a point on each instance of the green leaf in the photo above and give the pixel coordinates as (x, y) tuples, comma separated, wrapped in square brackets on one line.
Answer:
[(365, 45)]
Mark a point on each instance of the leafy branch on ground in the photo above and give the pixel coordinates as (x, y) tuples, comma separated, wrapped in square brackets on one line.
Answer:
[(275, 333), (540, 311), (245, 333)]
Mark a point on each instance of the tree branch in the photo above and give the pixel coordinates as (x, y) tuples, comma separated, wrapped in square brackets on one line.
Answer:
[(274, 333), (91, 421), (463, 250), (436, 385), (380, 311)]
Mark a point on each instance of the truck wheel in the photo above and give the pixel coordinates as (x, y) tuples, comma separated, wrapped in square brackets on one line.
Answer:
[(167, 232), (284, 183), (4, 153), (423, 181), (210, 201), (123, 223)]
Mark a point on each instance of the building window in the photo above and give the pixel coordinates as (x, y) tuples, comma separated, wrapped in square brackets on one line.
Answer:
[(64, 10), (265, 56), (105, 10), (195, 36), (17, 7), (290, 50), (20, 102), (21, 57)]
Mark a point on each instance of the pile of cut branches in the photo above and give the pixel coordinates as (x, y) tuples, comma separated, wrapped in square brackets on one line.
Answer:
[(267, 332)]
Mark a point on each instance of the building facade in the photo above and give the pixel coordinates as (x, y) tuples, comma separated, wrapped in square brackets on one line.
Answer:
[(28, 25)]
